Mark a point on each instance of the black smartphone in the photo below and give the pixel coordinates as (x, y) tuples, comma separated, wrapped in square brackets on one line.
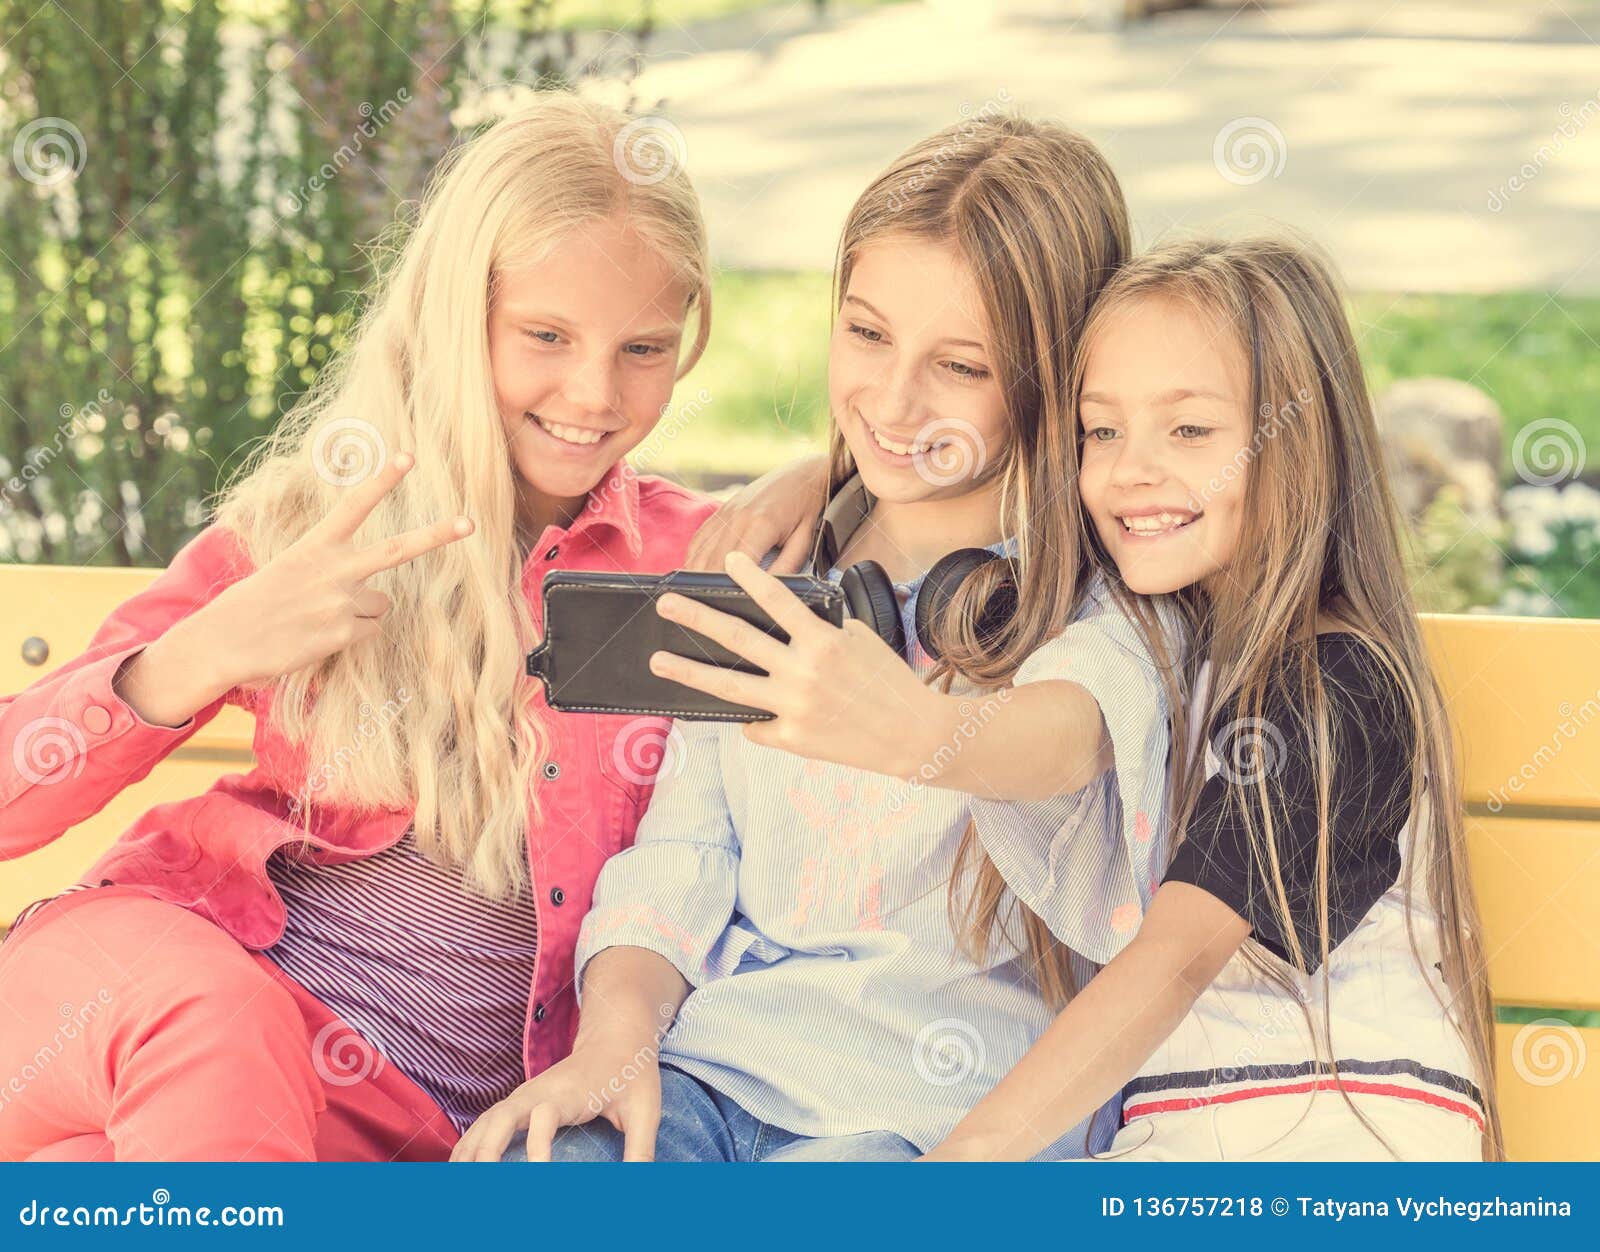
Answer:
[(601, 629)]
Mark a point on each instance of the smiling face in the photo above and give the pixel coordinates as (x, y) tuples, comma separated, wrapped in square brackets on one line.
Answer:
[(1165, 415), (911, 382), (583, 345)]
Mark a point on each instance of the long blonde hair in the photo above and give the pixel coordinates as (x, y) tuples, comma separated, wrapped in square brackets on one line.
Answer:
[(435, 713), (1324, 538), (1037, 213)]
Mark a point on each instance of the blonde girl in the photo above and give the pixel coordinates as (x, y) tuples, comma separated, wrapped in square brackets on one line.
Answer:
[(1308, 982), (353, 950)]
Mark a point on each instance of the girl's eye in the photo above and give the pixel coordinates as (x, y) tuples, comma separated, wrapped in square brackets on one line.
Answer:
[(972, 373), (644, 349), (1099, 434), (1190, 431), (865, 333), (543, 336)]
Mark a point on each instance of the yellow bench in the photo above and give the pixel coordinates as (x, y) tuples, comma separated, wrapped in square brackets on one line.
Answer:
[(1525, 696)]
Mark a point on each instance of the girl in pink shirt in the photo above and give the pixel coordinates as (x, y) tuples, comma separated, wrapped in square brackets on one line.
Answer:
[(311, 960)]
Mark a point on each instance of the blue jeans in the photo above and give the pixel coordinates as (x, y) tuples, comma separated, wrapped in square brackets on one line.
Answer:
[(699, 1124)]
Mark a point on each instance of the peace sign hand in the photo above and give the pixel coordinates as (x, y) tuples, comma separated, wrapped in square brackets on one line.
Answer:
[(311, 600)]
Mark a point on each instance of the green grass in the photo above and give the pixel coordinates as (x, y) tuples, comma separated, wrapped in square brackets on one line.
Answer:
[(1537, 355), (766, 369)]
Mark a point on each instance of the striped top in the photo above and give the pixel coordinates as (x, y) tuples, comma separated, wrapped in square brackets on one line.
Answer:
[(433, 977), (1378, 1005), (807, 904)]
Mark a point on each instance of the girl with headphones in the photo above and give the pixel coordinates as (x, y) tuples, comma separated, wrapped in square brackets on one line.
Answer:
[(775, 970)]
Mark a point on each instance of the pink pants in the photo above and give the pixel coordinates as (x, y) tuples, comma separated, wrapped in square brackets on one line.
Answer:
[(135, 1030)]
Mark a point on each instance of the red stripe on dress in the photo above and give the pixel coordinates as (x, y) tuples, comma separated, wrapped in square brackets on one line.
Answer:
[(1150, 1107)]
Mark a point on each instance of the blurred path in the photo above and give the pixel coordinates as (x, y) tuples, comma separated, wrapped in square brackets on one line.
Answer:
[(1431, 146)]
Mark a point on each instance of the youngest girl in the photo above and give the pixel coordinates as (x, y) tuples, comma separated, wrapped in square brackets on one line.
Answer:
[(1308, 982)]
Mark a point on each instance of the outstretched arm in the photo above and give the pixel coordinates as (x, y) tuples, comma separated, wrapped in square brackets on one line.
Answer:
[(843, 695)]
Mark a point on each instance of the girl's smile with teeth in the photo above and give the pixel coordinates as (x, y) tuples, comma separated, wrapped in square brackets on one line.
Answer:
[(902, 449), (1155, 525), (578, 436)]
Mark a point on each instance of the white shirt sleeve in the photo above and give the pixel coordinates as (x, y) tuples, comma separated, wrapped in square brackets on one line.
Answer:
[(1087, 862)]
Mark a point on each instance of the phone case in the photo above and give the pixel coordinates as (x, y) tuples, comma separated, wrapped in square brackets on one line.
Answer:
[(600, 630)]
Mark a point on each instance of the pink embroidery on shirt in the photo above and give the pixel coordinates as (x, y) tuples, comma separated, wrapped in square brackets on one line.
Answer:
[(1125, 917), (1141, 826)]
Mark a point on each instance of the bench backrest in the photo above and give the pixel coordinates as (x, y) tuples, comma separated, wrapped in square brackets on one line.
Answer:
[(1525, 698)]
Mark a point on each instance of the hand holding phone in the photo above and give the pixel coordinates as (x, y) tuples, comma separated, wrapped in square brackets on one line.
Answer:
[(601, 629)]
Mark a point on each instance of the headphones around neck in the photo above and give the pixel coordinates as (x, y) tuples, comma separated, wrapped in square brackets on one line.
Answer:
[(869, 592)]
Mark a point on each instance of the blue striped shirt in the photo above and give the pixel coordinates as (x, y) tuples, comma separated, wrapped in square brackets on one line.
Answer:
[(807, 905)]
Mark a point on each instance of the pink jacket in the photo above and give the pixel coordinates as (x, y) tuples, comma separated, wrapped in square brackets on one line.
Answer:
[(208, 853)]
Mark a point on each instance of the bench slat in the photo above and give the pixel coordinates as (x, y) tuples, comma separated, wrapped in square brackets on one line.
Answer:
[(1524, 695), (64, 606), (1538, 883), (1549, 1075)]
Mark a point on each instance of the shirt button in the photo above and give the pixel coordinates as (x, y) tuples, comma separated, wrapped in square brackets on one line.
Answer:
[(96, 720), (552, 771), (538, 1012), (553, 553), (558, 897)]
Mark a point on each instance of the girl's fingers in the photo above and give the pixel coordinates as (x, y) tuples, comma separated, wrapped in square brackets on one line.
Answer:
[(781, 604), (543, 1123), (357, 503), (370, 602), (755, 646), (726, 684), (388, 553), (796, 550), (640, 1123), (705, 552)]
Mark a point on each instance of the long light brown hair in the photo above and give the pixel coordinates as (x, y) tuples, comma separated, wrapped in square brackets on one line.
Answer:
[(1038, 215), (434, 713), (1321, 526)]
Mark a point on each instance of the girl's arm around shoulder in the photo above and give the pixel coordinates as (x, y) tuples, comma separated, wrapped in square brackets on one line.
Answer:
[(1099, 1041)]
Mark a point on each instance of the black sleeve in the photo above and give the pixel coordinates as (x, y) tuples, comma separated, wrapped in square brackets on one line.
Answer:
[(1369, 799)]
